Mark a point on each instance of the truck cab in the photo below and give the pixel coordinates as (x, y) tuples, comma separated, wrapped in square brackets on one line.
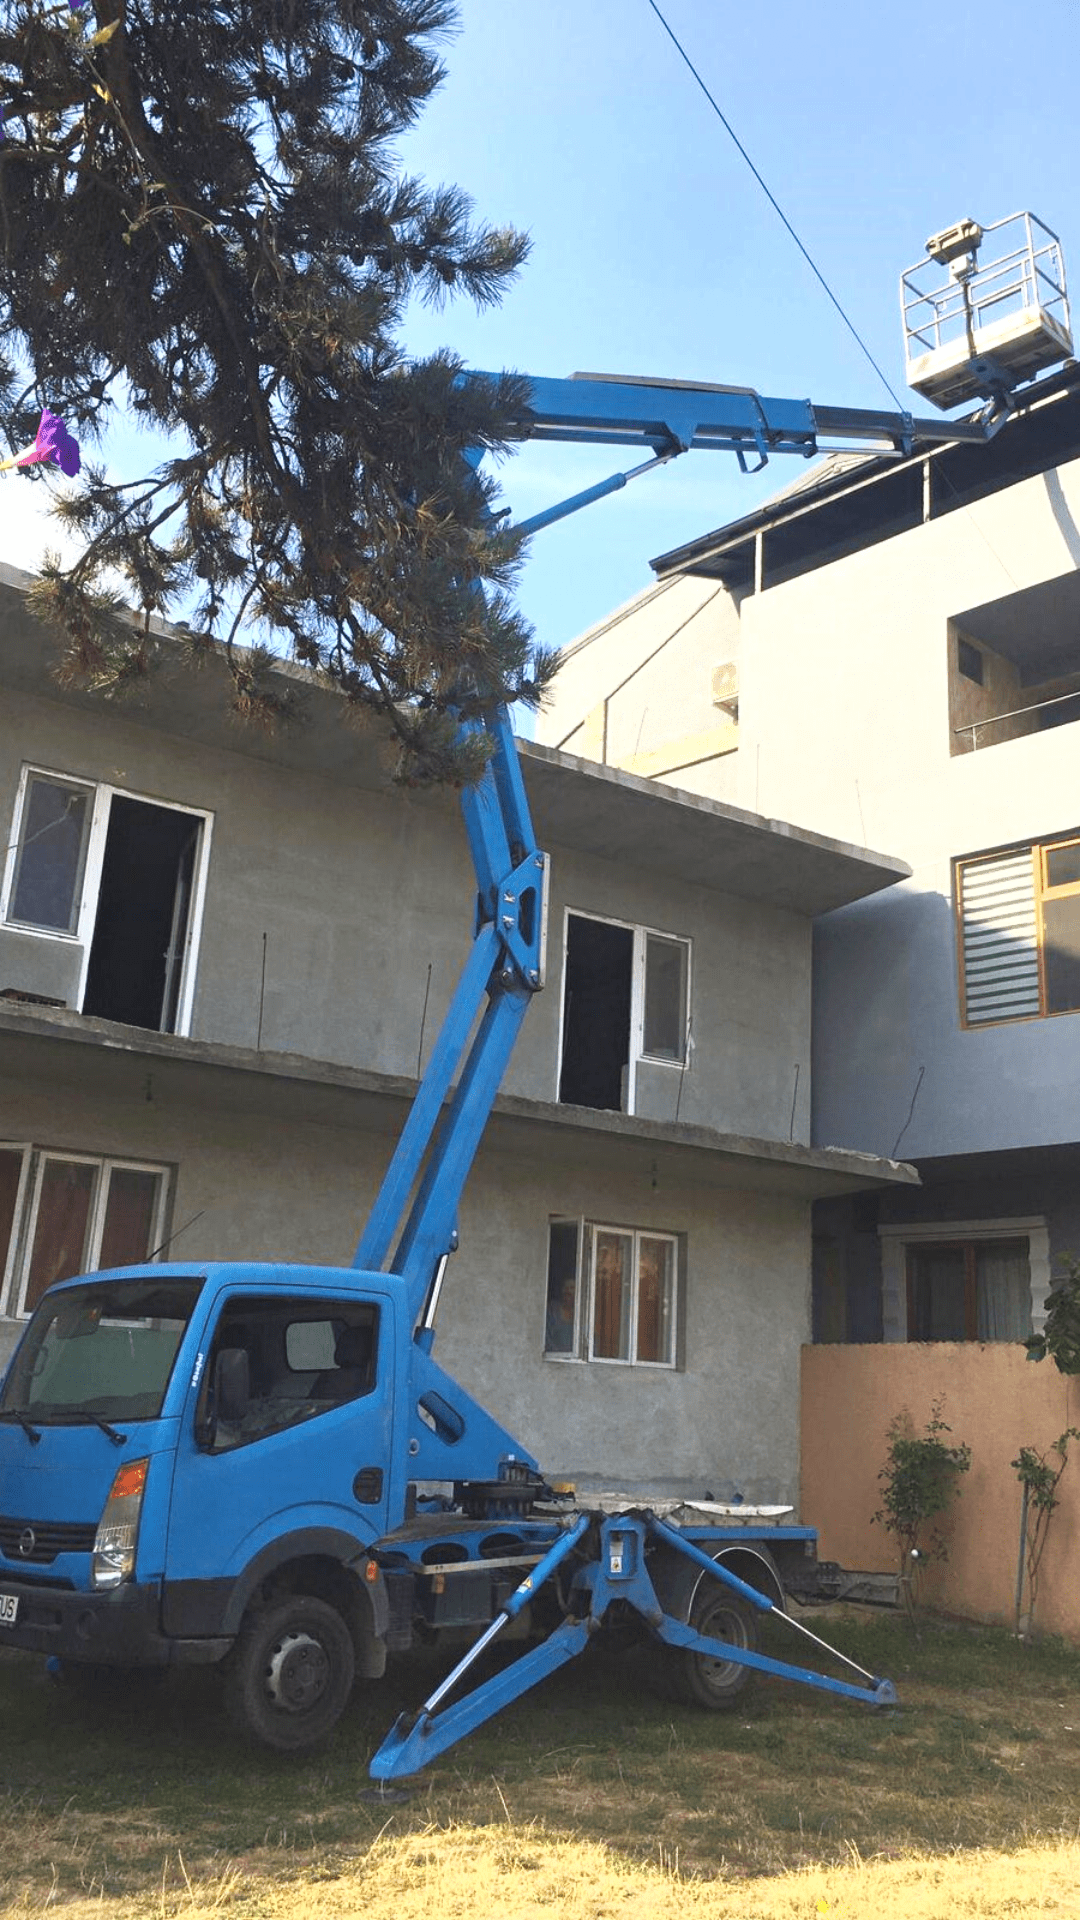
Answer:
[(188, 1454)]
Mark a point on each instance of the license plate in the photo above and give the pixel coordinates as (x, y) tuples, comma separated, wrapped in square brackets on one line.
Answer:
[(9, 1609)]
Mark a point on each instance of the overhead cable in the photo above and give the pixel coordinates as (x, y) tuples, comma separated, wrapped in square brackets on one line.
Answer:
[(774, 203)]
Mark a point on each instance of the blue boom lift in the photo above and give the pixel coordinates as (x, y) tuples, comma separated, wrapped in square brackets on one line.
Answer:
[(277, 1424)]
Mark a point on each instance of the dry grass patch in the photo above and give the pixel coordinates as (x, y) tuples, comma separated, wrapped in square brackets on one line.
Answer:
[(516, 1873), (983, 1754)]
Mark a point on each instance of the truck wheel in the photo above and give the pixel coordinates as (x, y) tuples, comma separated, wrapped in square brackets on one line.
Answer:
[(701, 1680), (290, 1673)]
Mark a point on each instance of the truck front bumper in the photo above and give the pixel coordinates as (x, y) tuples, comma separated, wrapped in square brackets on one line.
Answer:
[(120, 1627)]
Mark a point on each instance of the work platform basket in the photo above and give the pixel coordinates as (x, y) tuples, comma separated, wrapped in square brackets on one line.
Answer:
[(987, 311)]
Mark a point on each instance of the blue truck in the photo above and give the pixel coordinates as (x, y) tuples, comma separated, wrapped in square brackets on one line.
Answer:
[(263, 1466)]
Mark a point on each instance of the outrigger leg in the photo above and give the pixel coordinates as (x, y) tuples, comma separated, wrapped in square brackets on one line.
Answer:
[(617, 1572)]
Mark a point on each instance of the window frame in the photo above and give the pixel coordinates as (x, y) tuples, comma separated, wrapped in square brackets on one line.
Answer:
[(17, 1277), (895, 1241), (582, 1352), (1040, 891), (102, 793), (28, 774), (638, 960)]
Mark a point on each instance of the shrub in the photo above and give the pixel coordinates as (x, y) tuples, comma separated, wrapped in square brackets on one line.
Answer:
[(920, 1478)]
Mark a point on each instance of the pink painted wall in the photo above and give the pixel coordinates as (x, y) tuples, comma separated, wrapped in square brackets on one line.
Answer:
[(995, 1400)]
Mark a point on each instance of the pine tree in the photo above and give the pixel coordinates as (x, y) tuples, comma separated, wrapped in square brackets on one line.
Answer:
[(204, 225)]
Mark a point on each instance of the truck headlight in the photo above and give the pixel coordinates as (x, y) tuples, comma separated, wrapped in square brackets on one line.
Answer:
[(118, 1528)]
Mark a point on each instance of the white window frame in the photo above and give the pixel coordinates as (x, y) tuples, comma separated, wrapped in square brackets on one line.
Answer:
[(25, 1229), (895, 1242), (585, 1293), (638, 1055), (102, 796)]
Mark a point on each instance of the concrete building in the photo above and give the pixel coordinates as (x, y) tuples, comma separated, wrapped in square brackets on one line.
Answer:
[(889, 651), (224, 957)]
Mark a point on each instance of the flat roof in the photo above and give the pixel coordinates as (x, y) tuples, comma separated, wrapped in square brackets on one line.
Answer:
[(576, 803)]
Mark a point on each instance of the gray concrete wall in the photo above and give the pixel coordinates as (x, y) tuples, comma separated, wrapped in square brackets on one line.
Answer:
[(846, 728), (636, 691), (270, 1188), (359, 892), (848, 701)]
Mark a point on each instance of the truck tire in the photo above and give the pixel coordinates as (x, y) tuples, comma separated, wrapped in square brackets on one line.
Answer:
[(697, 1678), (290, 1673)]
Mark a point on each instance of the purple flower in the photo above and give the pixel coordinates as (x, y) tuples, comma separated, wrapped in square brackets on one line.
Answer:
[(52, 442)]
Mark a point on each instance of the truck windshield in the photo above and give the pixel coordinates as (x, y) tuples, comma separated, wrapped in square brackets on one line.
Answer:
[(100, 1352)]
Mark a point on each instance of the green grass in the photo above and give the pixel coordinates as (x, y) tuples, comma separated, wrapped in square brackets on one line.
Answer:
[(984, 1750)]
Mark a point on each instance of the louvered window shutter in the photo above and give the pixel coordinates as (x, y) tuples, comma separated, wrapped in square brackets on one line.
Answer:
[(999, 930)]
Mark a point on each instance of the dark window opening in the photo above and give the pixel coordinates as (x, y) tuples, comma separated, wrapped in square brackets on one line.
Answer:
[(596, 1013), (970, 661), (560, 1335), (969, 1290), (143, 915), (11, 1166)]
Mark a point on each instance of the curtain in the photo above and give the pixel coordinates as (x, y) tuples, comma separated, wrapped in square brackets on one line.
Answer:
[(1003, 1295), (612, 1253), (129, 1217), (67, 1190)]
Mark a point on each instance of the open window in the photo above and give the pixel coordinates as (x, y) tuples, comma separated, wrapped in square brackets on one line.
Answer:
[(1014, 665), (626, 998), (114, 884)]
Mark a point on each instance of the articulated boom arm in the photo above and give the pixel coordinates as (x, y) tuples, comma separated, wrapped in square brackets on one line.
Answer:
[(678, 416), (505, 967)]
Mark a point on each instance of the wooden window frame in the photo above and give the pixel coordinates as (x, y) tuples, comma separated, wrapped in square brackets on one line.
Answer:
[(895, 1240), (971, 1305), (1041, 891)]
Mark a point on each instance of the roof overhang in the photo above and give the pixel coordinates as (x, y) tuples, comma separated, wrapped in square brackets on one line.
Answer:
[(132, 1065), (577, 804)]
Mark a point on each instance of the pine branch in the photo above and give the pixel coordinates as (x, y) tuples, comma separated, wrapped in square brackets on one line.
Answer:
[(223, 178)]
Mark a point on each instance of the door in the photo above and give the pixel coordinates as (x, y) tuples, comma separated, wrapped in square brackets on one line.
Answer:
[(288, 1428), (143, 914)]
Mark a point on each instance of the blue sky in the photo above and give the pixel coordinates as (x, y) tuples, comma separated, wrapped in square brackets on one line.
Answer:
[(655, 251)]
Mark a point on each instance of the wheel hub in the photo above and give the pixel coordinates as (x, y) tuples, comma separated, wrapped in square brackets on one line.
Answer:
[(297, 1672)]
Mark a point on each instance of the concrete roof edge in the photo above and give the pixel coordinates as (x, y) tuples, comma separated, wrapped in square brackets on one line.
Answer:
[(61, 1027), (865, 871), (706, 807)]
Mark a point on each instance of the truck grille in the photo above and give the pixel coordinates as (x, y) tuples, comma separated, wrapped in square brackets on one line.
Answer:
[(36, 1543)]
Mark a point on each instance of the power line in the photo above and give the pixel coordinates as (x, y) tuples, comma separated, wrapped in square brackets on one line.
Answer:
[(774, 203)]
